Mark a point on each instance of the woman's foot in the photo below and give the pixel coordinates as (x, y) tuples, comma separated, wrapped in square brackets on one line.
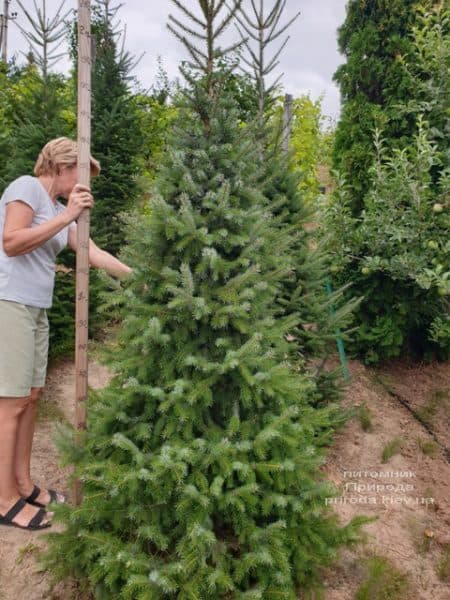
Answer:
[(21, 514), (43, 498)]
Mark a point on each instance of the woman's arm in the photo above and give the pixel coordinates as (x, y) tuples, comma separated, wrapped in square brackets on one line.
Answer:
[(100, 258), (18, 235)]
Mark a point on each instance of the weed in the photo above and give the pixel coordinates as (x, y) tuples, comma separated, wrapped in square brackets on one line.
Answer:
[(428, 447), (437, 399), (391, 448), (48, 410), (25, 551), (443, 566), (365, 418), (382, 582)]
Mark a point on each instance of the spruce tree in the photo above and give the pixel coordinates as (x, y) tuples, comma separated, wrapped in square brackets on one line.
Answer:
[(117, 138), (201, 457), (303, 293)]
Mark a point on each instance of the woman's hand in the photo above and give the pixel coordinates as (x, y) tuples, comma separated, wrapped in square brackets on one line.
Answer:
[(79, 199)]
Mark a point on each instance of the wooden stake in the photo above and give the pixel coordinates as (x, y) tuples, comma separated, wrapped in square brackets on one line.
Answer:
[(83, 223), (287, 123)]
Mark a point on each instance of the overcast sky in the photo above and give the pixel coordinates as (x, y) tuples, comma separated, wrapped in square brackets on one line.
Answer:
[(308, 61)]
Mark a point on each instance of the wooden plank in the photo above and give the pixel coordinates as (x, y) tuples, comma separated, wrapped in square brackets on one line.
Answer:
[(83, 223)]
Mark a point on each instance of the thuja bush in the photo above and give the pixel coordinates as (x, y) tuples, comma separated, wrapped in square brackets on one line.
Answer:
[(397, 252)]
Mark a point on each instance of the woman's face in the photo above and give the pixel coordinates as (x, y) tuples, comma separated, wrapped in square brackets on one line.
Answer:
[(67, 178)]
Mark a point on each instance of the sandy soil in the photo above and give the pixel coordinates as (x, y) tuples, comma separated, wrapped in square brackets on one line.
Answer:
[(412, 503), (410, 492), (20, 575)]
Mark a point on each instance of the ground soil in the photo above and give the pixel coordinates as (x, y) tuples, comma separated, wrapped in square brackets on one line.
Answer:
[(409, 494)]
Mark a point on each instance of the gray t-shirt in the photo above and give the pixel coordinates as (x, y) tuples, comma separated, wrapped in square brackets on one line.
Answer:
[(29, 278)]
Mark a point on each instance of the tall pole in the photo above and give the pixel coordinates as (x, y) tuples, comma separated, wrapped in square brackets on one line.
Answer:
[(4, 31), (287, 122), (83, 223)]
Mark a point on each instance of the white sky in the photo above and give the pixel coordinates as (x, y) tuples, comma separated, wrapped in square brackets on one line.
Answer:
[(308, 61)]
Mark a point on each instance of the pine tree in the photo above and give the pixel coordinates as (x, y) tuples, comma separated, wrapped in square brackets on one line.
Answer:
[(201, 457)]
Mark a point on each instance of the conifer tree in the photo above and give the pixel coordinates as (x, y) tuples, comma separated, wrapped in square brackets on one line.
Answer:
[(303, 293), (201, 457), (46, 36), (396, 250), (41, 107), (40, 111), (117, 138), (375, 40)]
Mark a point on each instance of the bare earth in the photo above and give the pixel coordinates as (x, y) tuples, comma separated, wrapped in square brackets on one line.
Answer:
[(409, 493)]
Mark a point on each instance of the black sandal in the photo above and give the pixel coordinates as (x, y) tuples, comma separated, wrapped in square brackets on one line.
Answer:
[(34, 524), (53, 497)]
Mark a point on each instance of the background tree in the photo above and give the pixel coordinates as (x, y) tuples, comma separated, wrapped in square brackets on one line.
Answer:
[(117, 139), (40, 106), (375, 38), (46, 34), (201, 459), (258, 29), (396, 251), (41, 101)]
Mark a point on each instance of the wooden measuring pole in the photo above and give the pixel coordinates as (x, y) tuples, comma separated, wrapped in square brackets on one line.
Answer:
[(83, 223)]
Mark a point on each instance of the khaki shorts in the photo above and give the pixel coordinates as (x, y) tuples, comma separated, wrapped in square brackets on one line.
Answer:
[(23, 348)]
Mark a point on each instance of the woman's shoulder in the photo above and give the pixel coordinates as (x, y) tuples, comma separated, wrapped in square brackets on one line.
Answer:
[(24, 182), (25, 188)]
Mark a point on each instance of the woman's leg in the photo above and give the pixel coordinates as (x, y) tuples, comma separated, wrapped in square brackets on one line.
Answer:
[(22, 465), (11, 411), (24, 443)]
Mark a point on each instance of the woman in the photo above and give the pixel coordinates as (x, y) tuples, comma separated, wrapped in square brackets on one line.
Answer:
[(34, 228)]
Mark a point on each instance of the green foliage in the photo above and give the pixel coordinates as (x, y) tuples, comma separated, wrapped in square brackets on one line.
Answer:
[(365, 418), (397, 252), (383, 582), (36, 112), (310, 141), (428, 69), (395, 248), (373, 82), (155, 116), (290, 183), (201, 462), (391, 448)]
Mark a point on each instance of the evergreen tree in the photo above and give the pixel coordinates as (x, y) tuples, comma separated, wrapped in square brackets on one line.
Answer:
[(395, 251), (303, 293), (46, 35), (263, 27), (201, 458), (374, 39), (40, 107), (117, 139)]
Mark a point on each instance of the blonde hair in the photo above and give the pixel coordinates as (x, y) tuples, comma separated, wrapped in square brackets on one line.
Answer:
[(58, 153)]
